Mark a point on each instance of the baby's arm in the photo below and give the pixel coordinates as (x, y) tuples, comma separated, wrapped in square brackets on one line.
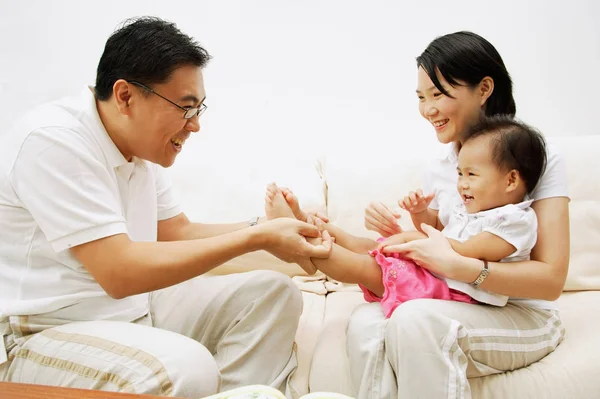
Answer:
[(417, 204), (428, 216), (485, 246)]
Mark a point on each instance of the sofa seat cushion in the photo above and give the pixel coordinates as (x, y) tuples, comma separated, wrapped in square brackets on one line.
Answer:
[(307, 334)]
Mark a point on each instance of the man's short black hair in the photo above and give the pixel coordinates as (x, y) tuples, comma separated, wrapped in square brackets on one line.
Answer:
[(145, 50)]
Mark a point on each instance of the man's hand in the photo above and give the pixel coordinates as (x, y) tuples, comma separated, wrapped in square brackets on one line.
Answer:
[(285, 238), (381, 219), (416, 202)]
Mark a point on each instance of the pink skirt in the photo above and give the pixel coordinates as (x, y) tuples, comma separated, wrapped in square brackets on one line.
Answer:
[(404, 280)]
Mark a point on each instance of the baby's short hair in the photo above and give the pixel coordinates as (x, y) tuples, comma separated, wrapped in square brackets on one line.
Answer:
[(514, 145)]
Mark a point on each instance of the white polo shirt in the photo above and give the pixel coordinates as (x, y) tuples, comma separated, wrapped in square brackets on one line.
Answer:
[(441, 178), (63, 183)]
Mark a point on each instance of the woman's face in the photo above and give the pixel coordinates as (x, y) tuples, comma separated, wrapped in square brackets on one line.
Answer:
[(450, 117)]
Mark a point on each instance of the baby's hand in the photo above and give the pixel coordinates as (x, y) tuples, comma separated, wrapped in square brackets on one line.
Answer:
[(416, 202), (392, 240)]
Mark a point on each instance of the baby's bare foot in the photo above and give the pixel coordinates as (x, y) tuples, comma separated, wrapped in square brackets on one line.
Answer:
[(294, 205), (275, 204)]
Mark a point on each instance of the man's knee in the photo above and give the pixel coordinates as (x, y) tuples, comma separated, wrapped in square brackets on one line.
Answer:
[(277, 287), (193, 372), (140, 359), (187, 371)]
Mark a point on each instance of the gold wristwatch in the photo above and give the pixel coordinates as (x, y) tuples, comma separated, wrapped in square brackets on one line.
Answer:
[(484, 273)]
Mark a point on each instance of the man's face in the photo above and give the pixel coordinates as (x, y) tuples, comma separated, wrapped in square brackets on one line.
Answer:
[(157, 130)]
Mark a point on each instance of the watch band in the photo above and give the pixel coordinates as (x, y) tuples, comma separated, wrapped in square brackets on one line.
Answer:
[(253, 221), (482, 276)]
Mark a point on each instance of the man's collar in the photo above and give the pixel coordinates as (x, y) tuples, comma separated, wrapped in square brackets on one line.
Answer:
[(109, 148)]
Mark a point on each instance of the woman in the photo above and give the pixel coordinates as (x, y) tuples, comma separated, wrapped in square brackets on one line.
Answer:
[(429, 348)]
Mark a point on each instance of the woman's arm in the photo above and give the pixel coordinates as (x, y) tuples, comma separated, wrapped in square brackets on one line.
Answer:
[(542, 277)]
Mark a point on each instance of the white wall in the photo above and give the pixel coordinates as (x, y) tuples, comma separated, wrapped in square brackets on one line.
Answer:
[(321, 71)]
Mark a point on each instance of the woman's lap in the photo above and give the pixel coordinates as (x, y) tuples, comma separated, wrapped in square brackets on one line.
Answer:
[(445, 341)]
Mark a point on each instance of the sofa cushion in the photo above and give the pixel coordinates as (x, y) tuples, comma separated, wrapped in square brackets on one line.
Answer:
[(584, 209), (307, 334), (569, 372), (330, 370)]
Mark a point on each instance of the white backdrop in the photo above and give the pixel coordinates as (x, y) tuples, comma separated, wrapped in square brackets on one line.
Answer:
[(314, 73)]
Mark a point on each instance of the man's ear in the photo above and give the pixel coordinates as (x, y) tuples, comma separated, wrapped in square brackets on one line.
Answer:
[(485, 89), (513, 181), (123, 95)]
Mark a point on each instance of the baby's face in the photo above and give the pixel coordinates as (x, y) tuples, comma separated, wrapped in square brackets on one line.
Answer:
[(481, 184)]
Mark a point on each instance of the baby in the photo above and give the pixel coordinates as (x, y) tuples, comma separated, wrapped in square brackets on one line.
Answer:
[(499, 164)]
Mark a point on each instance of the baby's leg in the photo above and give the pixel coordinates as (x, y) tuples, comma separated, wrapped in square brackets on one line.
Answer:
[(360, 245), (349, 267), (343, 265)]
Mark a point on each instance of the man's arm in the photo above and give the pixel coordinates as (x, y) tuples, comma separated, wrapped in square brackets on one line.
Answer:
[(123, 267), (180, 228)]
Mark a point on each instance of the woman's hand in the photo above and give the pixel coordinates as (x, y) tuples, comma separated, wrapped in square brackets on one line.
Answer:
[(401, 238), (433, 253), (396, 239), (381, 219)]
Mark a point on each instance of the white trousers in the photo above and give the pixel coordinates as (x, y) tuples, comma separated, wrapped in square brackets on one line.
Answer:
[(429, 348), (203, 335)]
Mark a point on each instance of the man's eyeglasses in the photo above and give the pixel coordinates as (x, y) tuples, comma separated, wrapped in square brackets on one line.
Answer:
[(188, 112)]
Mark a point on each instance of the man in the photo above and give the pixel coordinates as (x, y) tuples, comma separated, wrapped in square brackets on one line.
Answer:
[(97, 261)]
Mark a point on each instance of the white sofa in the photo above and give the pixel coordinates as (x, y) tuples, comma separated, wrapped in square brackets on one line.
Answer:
[(342, 182)]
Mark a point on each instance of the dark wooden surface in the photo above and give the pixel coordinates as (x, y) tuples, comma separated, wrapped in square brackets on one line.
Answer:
[(10, 390)]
